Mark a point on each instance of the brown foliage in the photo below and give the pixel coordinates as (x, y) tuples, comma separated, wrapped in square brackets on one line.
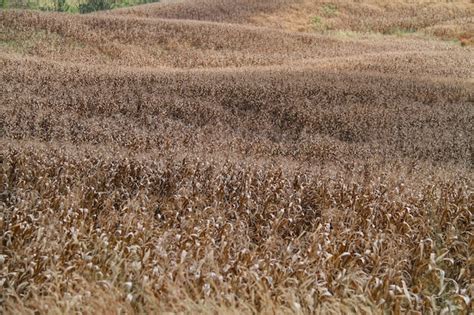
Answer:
[(445, 19), (156, 165)]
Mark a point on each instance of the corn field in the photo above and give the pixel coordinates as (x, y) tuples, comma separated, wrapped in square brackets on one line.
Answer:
[(228, 157)]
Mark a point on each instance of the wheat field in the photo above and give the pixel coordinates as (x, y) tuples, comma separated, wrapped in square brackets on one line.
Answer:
[(238, 157)]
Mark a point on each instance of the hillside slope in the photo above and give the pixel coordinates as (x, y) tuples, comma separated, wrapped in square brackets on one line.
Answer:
[(334, 139), (444, 19)]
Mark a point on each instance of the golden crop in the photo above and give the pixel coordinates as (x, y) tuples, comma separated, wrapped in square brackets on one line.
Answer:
[(162, 159)]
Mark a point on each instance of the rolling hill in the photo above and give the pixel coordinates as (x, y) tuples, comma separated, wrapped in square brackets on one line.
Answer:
[(245, 156)]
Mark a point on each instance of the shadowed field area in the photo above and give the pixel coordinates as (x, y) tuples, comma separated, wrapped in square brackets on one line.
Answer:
[(238, 157)]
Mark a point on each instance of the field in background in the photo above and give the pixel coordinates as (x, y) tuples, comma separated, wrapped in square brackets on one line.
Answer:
[(241, 156), (448, 20)]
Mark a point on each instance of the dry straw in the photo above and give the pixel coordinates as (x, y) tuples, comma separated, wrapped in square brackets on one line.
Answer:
[(151, 163)]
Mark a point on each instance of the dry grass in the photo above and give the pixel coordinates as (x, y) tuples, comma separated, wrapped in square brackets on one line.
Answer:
[(145, 42), (161, 236), (444, 19), (155, 164)]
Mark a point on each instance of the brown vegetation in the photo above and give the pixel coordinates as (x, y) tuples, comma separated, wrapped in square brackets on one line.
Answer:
[(179, 157), (453, 19)]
